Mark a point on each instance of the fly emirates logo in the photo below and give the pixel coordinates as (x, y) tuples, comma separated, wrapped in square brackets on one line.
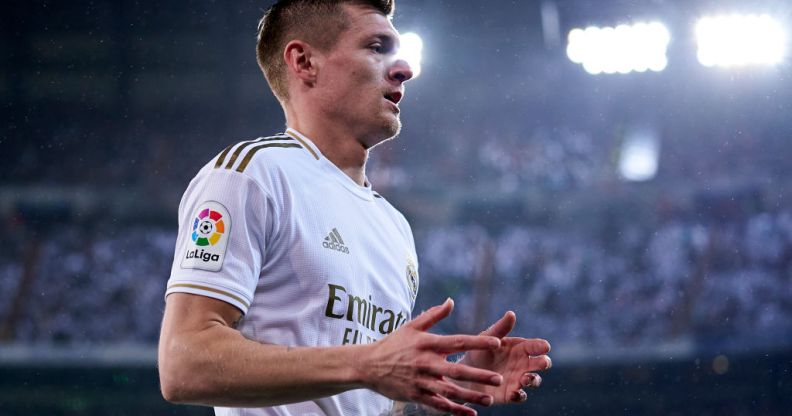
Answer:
[(346, 306)]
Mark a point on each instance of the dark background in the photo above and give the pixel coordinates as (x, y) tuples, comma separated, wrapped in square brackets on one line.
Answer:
[(667, 296)]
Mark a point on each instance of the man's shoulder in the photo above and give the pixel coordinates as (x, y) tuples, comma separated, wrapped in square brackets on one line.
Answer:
[(242, 156), (257, 158)]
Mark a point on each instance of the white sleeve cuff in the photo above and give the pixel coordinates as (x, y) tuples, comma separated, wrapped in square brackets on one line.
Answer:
[(234, 297)]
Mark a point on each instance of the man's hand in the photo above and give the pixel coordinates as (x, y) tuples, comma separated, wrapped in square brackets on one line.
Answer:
[(517, 359), (410, 365)]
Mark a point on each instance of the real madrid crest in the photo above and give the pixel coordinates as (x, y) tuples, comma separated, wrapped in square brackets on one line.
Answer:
[(412, 277)]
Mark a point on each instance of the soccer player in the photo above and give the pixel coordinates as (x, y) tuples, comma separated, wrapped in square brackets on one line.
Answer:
[(293, 281)]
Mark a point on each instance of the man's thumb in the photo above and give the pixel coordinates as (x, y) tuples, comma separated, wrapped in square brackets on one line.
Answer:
[(501, 328), (433, 315)]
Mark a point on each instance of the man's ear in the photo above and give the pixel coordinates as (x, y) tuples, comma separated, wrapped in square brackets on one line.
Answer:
[(300, 61)]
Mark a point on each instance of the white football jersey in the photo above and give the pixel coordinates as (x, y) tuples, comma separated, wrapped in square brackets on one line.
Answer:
[(309, 256)]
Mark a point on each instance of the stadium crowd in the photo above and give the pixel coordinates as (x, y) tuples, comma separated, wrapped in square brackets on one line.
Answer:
[(88, 286), (680, 280), (696, 271)]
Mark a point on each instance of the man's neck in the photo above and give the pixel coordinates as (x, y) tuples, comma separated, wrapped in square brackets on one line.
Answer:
[(337, 145)]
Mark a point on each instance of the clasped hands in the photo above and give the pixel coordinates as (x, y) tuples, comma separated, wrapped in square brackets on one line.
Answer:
[(410, 364)]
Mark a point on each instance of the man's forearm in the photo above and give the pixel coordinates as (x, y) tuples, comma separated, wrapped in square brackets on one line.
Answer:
[(204, 360), (220, 367)]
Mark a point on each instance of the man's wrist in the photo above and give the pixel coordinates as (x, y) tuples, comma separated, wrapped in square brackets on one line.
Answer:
[(356, 358)]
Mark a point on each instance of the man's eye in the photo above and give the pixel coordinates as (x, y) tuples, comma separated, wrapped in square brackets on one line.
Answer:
[(376, 48)]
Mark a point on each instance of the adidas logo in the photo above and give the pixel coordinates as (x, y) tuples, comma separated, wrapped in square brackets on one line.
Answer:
[(333, 241)]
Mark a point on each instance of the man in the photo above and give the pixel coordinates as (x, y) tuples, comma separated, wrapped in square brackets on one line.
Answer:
[(293, 281)]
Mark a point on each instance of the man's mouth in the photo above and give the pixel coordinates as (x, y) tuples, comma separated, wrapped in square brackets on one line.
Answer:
[(393, 97)]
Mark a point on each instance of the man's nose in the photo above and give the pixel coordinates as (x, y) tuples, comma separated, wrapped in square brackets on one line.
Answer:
[(400, 71)]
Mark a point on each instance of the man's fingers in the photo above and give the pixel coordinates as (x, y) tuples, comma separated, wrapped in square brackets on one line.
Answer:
[(455, 393), (536, 346), (502, 327), (531, 380), (519, 396), (461, 372), (442, 404), (450, 344), (540, 363), (432, 316)]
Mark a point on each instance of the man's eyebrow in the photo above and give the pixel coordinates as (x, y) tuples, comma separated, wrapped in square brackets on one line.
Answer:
[(387, 37)]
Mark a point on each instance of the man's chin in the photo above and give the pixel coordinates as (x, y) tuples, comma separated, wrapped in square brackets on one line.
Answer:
[(394, 128), (391, 129)]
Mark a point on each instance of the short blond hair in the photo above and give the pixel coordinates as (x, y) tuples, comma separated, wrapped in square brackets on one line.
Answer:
[(318, 22)]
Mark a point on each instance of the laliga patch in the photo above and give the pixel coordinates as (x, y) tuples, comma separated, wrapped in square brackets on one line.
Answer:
[(210, 232)]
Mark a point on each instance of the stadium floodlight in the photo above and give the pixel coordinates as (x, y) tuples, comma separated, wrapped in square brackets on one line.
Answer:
[(640, 154), (626, 48), (410, 50), (739, 40)]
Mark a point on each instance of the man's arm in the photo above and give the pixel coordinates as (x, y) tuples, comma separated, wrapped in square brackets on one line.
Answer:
[(204, 360)]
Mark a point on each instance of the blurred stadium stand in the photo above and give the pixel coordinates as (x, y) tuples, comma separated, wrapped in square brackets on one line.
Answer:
[(669, 296)]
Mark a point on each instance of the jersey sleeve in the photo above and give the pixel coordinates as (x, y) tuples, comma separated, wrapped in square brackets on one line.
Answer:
[(224, 223)]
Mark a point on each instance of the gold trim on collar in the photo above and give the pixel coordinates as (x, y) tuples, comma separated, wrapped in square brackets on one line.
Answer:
[(302, 142)]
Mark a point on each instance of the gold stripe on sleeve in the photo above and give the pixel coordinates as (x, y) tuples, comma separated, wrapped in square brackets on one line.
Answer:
[(222, 156), (213, 290), (239, 149), (253, 151)]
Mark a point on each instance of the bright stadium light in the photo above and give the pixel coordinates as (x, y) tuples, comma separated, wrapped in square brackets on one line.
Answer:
[(640, 154), (740, 40), (410, 51), (623, 49)]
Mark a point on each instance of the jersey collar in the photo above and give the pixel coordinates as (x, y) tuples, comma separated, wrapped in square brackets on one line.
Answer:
[(364, 192)]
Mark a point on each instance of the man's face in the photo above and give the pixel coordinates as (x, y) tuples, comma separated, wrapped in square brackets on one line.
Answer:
[(360, 81)]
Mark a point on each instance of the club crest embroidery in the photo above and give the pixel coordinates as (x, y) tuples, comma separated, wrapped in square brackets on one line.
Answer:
[(209, 233), (412, 277)]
